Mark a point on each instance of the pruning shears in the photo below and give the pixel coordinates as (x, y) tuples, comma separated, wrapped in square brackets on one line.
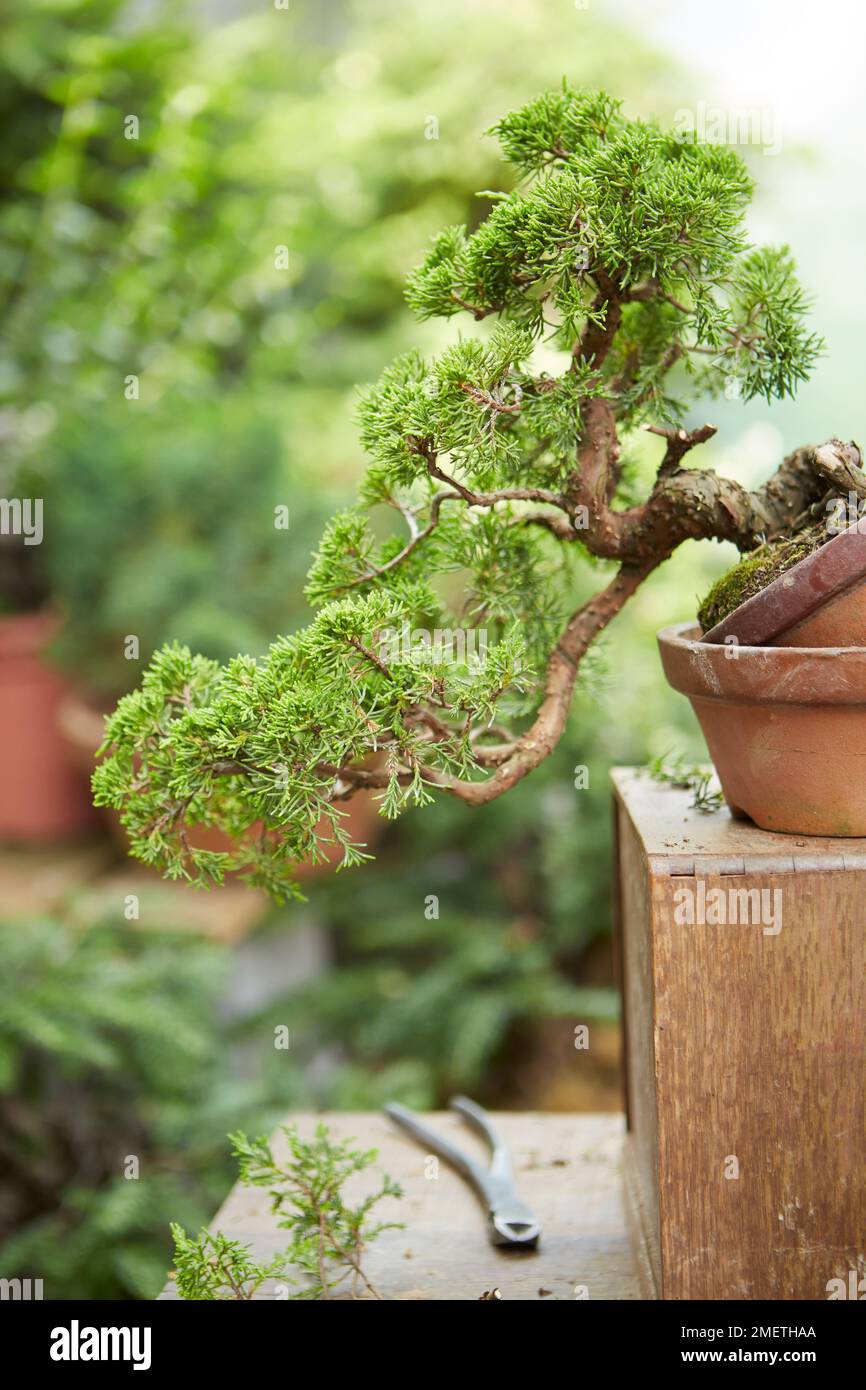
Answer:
[(511, 1223)]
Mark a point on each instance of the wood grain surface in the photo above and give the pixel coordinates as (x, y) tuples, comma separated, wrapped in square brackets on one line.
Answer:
[(746, 1053)]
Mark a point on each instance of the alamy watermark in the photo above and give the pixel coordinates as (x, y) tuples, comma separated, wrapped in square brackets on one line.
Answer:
[(855, 1288), (77, 1343), (844, 512), (20, 1290), (697, 905), (22, 516), (721, 125), (466, 646)]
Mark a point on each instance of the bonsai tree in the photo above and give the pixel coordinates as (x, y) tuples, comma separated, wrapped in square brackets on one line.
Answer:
[(443, 656)]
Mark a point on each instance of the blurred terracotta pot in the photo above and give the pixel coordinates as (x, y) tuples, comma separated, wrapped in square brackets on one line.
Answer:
[(83, 727), (43, 794), (785, 726)]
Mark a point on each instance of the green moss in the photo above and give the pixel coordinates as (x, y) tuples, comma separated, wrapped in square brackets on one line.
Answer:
[(752, 574)]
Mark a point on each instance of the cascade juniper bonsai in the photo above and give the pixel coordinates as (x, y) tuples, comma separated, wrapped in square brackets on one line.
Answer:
[(622, 252)]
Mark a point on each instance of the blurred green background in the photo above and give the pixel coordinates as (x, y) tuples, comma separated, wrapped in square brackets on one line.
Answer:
[(346, 133)]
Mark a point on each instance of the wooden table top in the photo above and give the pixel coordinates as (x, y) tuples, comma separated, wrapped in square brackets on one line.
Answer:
[(567, 1168), (680, 839)]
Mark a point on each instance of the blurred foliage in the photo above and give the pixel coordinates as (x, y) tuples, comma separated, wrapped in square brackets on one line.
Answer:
[(114, 1050), (114, 1046), (108, 1050), (306, 128), (173, 533)]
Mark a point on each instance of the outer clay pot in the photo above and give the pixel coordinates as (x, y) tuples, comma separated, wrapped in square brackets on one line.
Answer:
[(43, 796), (785, 726)]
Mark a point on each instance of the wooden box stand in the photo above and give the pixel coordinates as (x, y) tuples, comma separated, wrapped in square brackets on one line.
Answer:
[(743, 963)]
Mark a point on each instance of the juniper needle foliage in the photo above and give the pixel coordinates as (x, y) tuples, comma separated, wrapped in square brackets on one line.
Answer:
[(328, 1234), (211, 1266), (622, 249)]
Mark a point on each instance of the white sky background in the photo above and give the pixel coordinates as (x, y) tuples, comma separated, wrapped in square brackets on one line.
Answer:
[(804, 60), (804, 65)]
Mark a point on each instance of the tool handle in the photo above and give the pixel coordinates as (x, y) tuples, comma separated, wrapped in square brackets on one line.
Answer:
[(478, 1176), (477, 1119)]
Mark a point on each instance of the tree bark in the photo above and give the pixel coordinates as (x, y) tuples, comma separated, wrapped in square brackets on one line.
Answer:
[(697, 504), (684, 504)]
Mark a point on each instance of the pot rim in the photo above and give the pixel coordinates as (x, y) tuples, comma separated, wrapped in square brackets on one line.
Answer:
[(675, 636), (780, 676)]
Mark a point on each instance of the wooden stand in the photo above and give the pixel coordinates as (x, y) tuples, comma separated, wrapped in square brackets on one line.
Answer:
[(743, 961)]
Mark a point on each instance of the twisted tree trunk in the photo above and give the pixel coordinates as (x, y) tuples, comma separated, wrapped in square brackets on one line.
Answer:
[(685, 504)]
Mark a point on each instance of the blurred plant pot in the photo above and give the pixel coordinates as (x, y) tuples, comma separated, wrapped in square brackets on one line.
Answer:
[(784, 725), (44, 796), (83, 726)]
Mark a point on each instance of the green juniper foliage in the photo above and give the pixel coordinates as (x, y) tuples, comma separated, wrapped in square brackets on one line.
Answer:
[(211, 1266), (306, 1190), (700, 781), (328, 1235), (622, 249)]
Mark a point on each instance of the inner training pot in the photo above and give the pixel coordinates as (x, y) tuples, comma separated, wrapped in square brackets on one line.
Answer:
[(819, 602), (784, 725)]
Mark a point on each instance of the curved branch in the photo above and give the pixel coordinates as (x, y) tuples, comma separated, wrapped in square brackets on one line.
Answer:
[(684, 503), (505, 494), (414, 541), (540, 739), (696, 504), (515, 760)]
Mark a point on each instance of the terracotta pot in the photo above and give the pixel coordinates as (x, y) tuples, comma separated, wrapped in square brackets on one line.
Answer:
[(785, 727), (43, 795), (83, 726), (819, 602)]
